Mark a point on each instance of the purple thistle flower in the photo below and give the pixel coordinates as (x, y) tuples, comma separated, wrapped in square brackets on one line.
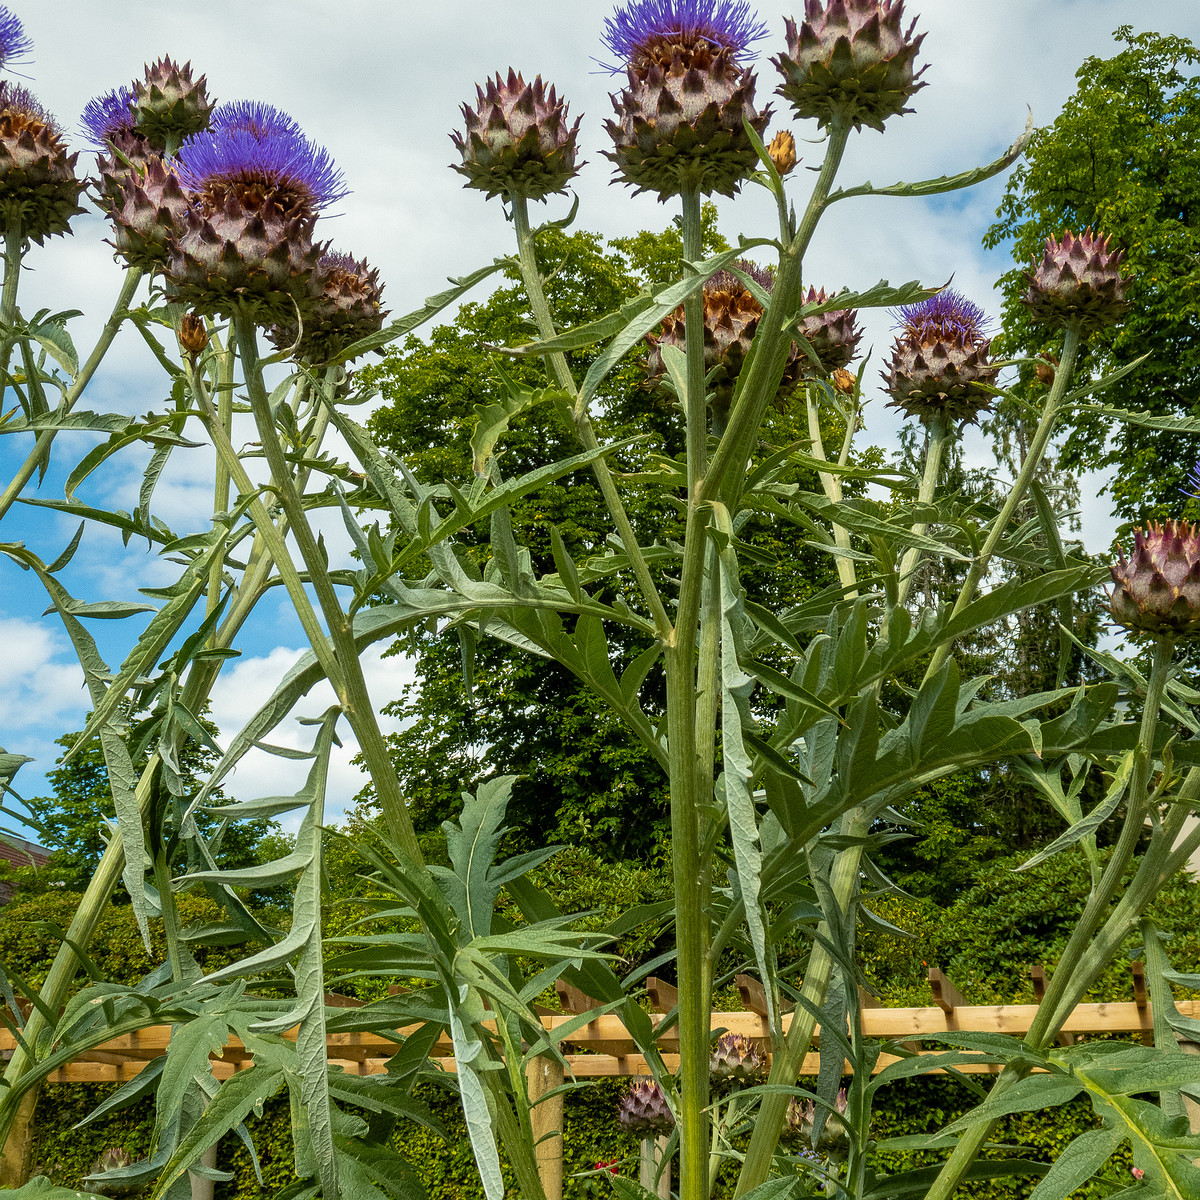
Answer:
[(15, 43), (639, 27), (942, 317), (19, 101), (257, 153), (262, 120), (106, 116)]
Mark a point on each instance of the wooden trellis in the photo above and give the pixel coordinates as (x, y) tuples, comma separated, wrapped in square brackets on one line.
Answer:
[(604, 1047)]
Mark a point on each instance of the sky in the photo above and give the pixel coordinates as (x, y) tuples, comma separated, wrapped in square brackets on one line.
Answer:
[(379, 84)]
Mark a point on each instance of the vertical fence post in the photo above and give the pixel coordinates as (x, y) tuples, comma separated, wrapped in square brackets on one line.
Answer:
[(544, 1075)]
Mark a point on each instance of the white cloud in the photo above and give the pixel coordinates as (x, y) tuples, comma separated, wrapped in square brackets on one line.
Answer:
[(247, 683), (380, 84)]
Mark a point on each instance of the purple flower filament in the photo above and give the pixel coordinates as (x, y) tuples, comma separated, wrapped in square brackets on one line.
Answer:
[(15, 43), (106, 116), (943, 317), (1193, 483), (262, 120), (254, 154), (634, 33)]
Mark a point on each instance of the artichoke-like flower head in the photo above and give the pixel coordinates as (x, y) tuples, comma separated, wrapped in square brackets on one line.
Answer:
[(940, 364), (39, 189), (679, 119)]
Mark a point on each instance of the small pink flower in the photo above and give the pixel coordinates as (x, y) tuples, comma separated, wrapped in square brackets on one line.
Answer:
[(1137, 1172)]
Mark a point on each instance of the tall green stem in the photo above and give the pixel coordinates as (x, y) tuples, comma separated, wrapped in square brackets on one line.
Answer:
[(787, 1062), (687, 772), (532, 278), (757, 383), (224, 374), (1029, 468), (1080, 961), (14, 252), (41, 446), (832, 486), (344, 669), (938, 433)]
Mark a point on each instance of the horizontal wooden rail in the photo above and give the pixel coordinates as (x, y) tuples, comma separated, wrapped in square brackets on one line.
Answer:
[(604, 1047)]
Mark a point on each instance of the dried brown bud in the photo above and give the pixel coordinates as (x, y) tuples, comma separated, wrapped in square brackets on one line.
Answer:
[(193, 335), (1045, 370), (783, 151), (843, 380)]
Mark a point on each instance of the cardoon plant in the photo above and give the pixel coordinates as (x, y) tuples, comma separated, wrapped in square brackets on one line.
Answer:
[(830, 714)]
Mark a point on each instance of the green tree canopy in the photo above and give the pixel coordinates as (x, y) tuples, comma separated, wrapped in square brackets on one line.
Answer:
[(585, 782), (1123, 158)]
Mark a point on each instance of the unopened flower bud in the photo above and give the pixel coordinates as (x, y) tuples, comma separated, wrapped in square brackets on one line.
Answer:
[(735, 1061), (1078, 281), (518, 138), (168, 104), (1158, 590), (850, 59), (833, 334), (783, 151), (193, 334), (843, 381), (644, 1110)]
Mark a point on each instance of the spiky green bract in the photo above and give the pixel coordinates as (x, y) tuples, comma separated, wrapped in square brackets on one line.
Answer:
[(1078, 280), (651, 31), (833, 335), (39, 190), (348, 306), (679, 127), (644, 1109), (261, 258), (148, 209), (940, 364), (169, 105), (517, 139), (850, 59), (1158, 589)]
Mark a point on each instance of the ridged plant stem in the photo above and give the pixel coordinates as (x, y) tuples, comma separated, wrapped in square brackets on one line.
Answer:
[(200, 679), (934, 452), (1081, 959), (1033, 460), (760, 377), (223, 368), (561, 372), (338, 654), (832, 485), (14, 252), (787, 1062), (687, 772), (41, 446)]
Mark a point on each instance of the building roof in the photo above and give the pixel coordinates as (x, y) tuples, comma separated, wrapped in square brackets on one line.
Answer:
[(20, 852)]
